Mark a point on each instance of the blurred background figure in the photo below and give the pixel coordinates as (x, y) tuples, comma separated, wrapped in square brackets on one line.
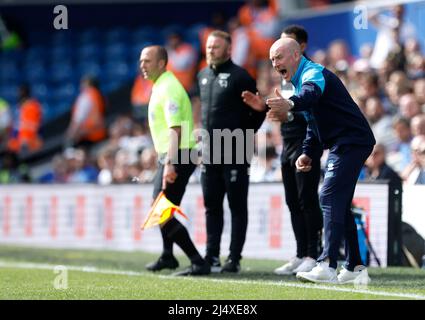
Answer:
[(400, 156), (80, 169), (260, 17), (5, 121), (182, 59), (149, 165), (378, 169), (58, 173), (87, 120), (25, 136), (414, 173), (11, 171), (140, 95), (106, 164)]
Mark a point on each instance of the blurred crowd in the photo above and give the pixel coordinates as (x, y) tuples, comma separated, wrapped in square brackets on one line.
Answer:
[(387, 81)]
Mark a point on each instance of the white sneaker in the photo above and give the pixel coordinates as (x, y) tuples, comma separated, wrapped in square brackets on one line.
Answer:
[(288, 268), (307, 265), (359, 276), (321, 273)]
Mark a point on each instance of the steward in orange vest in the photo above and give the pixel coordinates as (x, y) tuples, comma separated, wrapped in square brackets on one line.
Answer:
[(87, 120), (140, 96), (182, 60), (25, 135)]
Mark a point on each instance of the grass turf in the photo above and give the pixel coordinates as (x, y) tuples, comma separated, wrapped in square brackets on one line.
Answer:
[(255, 282)]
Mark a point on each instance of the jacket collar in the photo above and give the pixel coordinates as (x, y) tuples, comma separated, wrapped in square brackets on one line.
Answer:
[(296, 77), (222, 66)]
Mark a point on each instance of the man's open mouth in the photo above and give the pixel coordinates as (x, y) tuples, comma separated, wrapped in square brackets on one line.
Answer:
[(283, 72)]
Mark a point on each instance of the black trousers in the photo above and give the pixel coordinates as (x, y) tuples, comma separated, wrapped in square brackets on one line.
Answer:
[(301, 193), (174, 192), (218, 180)]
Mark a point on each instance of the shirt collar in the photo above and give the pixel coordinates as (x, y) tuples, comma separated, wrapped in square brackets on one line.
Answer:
[(296, 77)]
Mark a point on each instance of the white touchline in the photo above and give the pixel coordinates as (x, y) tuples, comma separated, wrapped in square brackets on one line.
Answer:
[(29, 265)]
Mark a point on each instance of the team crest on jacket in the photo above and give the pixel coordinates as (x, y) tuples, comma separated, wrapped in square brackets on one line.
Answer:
[(222, 79), (204, 81)]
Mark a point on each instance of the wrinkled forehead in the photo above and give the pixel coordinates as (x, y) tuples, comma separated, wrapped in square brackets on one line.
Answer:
[(277, 50)]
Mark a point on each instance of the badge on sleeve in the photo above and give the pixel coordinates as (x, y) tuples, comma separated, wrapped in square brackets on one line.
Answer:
[(172, 107)]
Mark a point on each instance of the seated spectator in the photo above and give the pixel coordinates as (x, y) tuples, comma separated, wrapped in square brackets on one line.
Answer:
[(106, 163), (399, 157), (338, 54), (398, 84), (58, 173), (266, 168), (415, 68), (408, 106), (136, 142), (87, 120), (120, 128), (414, 173), (320, 56), (149, 165), (5, 121), (79, 168), (419, 91), (418, 125), (140, 95), (378, 169), (380, 123), (25, 136), (121, 170)]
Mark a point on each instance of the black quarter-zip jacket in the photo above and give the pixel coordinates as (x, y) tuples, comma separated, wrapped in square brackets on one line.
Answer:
[(222, 106)]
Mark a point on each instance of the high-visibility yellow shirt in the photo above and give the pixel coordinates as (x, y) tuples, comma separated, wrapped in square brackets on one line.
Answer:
[(170, 106)]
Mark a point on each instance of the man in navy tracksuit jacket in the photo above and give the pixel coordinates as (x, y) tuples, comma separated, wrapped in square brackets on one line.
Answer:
[(340, 127)]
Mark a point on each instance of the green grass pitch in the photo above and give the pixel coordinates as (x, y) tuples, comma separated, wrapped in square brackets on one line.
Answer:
[(29, 273)]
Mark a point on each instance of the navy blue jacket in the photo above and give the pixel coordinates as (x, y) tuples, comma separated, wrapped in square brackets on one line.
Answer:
[(337, 119)]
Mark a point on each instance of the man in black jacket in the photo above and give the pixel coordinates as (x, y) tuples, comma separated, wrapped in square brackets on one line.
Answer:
[(230, 124)]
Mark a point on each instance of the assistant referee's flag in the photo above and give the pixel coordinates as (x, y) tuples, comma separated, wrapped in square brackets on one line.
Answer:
[(162, 210)]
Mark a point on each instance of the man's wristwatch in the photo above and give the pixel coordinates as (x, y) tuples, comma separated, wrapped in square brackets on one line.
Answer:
[(291, 104)]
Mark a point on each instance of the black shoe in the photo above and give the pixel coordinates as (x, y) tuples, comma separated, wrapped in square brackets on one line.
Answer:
[(231, 265), (195, 270), (214, 263), (164, 262)]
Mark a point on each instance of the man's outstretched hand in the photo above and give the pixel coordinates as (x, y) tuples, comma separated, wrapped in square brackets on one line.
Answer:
[(254, 101)]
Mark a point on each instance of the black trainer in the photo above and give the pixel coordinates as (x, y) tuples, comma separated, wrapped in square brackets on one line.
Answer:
[(214, 263), (164, 262), (231, 265), (195, 270)]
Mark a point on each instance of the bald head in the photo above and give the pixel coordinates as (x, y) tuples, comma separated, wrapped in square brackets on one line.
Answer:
[(153, 62), (285, 44), (285, 55)]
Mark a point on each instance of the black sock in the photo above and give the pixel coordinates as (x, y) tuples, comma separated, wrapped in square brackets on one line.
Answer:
[(167, 244), (175, 231)]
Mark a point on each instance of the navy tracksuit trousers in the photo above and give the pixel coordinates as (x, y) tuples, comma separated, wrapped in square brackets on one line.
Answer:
[(341, 174)]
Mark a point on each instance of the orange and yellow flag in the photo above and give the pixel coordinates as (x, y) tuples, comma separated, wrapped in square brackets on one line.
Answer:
[(162, 210)]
